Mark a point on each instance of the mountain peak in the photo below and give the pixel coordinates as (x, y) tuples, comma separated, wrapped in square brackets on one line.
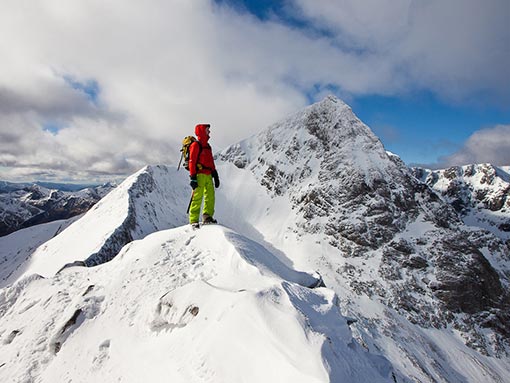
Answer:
[(316, 191), (324, 140), (329, 163), (330, 101), (478, 192)]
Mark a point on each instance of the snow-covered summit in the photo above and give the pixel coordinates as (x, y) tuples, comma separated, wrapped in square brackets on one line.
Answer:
[(359, 216), (338, 176), (181, 306), (299, 143)]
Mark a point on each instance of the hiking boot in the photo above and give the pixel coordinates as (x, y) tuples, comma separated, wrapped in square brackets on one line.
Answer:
[(195, 225), (206, 220)]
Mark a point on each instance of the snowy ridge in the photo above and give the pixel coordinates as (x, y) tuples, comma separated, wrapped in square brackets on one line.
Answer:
[(180, 306), (148, 201), (316, 191)]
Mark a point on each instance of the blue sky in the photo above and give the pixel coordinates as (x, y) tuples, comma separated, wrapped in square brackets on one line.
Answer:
[(422, 129), (93, 91)]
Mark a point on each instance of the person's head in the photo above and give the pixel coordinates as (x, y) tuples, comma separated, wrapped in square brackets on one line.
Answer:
[(202, 130)]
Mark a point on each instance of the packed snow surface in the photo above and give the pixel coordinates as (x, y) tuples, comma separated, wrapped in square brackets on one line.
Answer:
[(181, 306), (16, 248)]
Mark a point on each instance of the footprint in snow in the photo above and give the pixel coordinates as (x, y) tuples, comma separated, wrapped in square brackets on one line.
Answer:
[(188, 241), (103, 354)]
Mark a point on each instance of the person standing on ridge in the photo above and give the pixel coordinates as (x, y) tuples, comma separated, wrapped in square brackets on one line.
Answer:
[(202, 172)]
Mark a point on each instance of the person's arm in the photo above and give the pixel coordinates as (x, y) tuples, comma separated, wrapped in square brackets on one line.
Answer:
[(215, 175), (192, 164)]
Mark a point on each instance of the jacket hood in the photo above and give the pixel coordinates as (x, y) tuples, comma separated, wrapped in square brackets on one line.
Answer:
[(200, 132)]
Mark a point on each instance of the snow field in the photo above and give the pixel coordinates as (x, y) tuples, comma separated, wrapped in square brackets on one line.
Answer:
[(17, 248), (181, 306)]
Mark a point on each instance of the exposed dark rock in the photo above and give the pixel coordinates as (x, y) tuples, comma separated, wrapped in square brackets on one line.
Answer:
[(402, 246), (88, 290), (467, 281), (194, 310), (60, 338), (72, 264), (416, 262), (236, 154), (71, 321)]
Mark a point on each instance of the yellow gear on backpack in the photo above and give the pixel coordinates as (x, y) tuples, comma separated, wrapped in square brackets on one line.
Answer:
[(186, 143)]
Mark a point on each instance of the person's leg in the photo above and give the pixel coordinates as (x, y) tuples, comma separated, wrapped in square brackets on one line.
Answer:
[(196, 201), (209, 198)]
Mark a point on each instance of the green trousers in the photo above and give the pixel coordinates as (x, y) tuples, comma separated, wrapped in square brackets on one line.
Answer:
[(205, 191)]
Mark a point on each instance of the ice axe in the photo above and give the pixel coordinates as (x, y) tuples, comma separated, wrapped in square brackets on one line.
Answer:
[(182, 156), (190, 200)]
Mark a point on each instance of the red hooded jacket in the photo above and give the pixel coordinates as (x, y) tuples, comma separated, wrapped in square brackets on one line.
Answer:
[(205, 159)]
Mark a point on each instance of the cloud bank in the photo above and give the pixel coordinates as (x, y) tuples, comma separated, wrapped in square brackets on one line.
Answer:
[(457, 49), (490, 145), (92, 90)]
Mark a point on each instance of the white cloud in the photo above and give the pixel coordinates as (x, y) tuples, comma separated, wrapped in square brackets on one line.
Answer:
[(161, 67), (456, 48), (164, 65), (490, 145)]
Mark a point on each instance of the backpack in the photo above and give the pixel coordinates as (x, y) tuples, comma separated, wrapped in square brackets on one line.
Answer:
[(186, 143)]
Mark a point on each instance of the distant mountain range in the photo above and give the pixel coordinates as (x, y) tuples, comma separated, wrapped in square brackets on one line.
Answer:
[(26, 204), (480, 193), (6, 186)]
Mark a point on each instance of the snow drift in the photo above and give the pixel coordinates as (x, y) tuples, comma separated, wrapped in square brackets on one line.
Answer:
[(181, 306)]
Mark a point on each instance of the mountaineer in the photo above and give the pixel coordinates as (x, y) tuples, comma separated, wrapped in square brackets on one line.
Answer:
[(202, 172)]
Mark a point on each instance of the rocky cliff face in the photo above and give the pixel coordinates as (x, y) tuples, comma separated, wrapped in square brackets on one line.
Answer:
[(394, 239), (25, 205)]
